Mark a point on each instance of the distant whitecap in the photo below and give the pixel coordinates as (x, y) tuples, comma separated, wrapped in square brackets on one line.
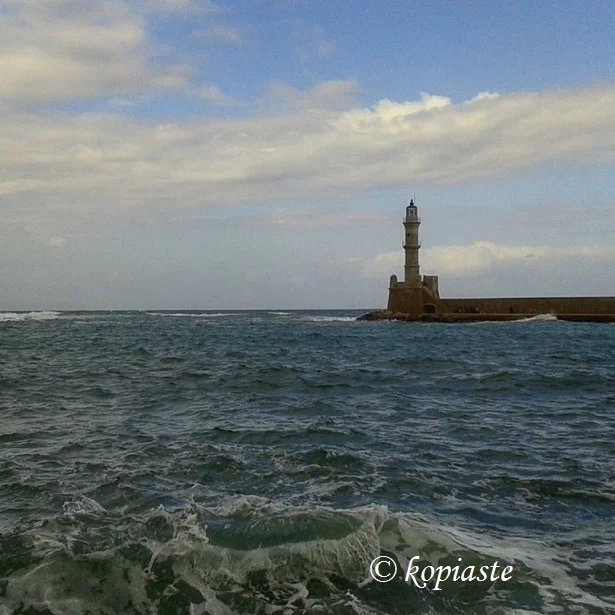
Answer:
[(17, 316)]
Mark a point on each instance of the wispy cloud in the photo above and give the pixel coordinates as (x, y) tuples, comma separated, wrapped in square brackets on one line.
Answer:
[(57, 242), (185, 7), (315, 44), (329, 95), (223, 34), (324, 48), (213, 94)]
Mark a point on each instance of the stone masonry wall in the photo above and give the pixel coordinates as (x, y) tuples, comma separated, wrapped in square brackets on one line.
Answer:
[(531, 305), (407, 301)]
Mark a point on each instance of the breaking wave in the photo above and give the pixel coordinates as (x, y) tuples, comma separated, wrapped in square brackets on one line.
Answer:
[(251, 555)]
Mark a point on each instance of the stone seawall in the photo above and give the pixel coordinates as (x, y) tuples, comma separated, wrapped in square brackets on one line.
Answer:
[(539, 305), (419, 301)]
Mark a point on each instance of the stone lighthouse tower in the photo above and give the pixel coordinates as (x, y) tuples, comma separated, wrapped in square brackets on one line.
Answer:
[(416, 294), (411, 245)]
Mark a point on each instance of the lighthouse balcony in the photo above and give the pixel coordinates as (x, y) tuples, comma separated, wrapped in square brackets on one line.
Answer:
[(411, 218), (410, 246)]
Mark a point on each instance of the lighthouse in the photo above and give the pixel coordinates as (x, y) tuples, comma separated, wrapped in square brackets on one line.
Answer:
[(411, 245), (416, 294), (418, 297)]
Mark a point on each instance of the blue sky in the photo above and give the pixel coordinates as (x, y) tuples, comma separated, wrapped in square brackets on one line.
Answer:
[(399, 49), (258, 154)]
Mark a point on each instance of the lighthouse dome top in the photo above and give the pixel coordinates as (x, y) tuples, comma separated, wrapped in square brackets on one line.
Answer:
[(411, 211)]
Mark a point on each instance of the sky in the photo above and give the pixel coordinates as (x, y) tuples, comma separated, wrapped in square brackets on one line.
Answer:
[(259, 154)]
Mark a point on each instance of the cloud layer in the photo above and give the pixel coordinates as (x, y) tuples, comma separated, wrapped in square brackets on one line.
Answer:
[(309, 149), (289, 144)]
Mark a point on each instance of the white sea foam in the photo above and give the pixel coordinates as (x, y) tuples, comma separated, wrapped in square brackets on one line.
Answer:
[(195, 315), (245, 506), (17, 316), (280, 313), (331, 318), (83, 506), (539, 318)]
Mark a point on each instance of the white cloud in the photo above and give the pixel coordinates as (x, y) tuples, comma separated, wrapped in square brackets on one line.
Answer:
[(481, 257), (65, 49), (391, 115)]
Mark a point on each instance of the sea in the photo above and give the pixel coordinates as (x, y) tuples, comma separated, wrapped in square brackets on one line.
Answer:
[(258, 462)]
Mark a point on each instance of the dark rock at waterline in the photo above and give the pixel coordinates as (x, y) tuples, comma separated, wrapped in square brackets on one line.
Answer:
[(480, 317)]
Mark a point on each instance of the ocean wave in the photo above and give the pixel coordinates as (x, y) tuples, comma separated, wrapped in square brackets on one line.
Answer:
[(17, 316), (253, 555)]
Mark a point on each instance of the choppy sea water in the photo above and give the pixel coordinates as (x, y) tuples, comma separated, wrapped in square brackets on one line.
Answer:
[(257, 462)]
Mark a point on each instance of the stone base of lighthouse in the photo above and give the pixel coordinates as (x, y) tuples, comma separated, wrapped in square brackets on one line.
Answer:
[(407, 299)]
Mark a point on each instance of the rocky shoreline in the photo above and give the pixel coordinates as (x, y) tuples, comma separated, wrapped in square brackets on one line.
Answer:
[(457, 318)]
